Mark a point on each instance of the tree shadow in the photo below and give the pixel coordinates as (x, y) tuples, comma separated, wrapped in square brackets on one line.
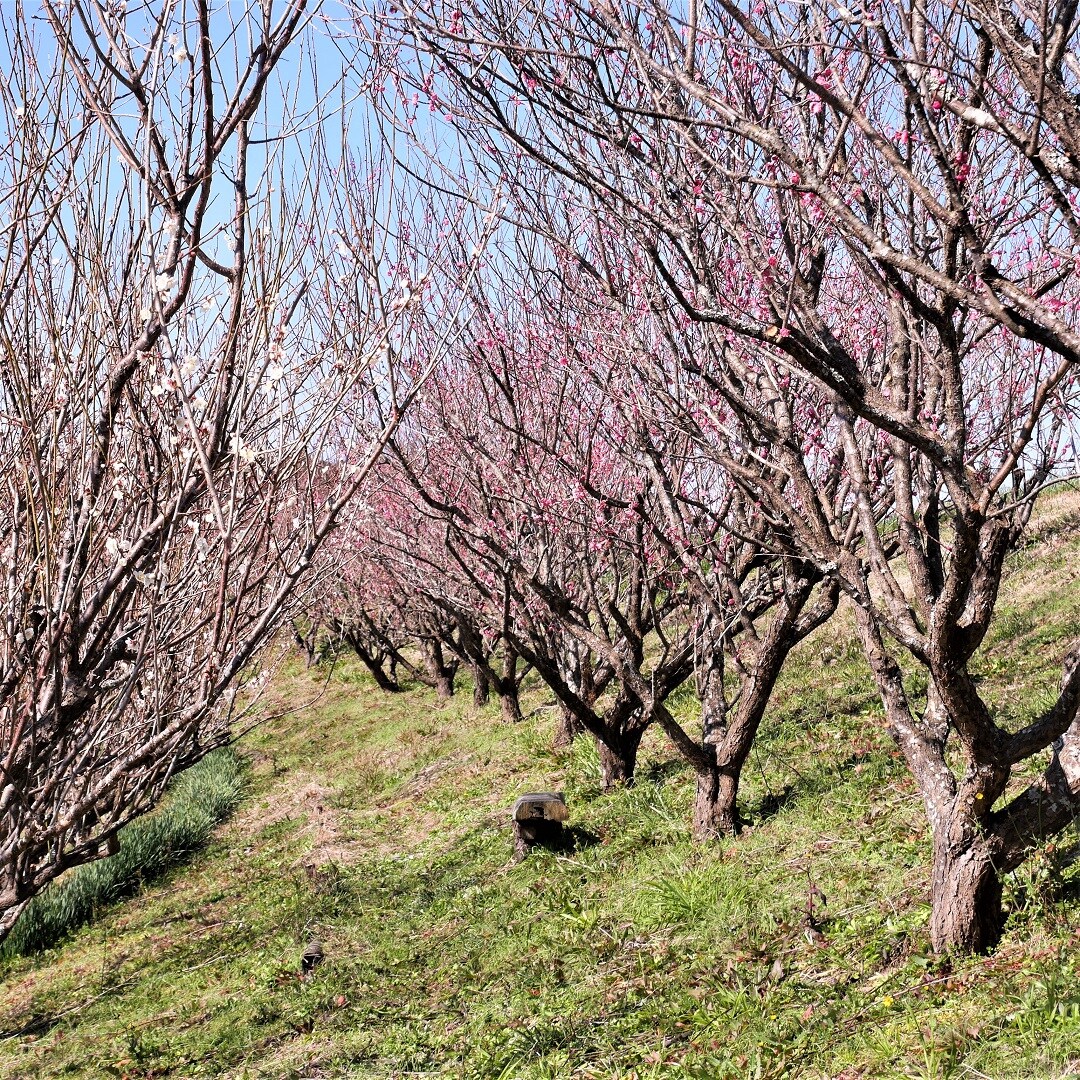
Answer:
[(568, 840), (35, 1026), (658, 772), (772, 803), (577, 838)]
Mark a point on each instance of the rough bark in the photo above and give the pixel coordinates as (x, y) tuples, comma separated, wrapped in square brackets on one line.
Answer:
[(12, 905), (618, 760), (507, 684), (716, 811), (510, 705), (567, 727), (439, 671), (965, 893), (481, 686), (382, 680)]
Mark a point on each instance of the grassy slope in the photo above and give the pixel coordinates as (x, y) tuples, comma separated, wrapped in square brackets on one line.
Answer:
[(379, 825)]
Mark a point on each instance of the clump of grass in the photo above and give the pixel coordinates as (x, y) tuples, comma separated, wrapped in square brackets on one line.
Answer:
[(198, 799)]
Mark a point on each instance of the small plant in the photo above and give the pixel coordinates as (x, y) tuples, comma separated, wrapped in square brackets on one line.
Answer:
[(1037, 887), (682, 896)]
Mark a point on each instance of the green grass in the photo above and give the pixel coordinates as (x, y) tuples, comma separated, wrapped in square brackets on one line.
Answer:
[(197, 800), (379, 825)]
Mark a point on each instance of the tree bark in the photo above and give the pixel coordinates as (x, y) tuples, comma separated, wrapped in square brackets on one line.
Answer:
[(567, 727), (618, 759), (510, 705), (12, 905), (506, 686), (481, 686), (965, 893), (372, 659), (308, 641), (439, 672), (716, 812), (374, 666), (382, 680)]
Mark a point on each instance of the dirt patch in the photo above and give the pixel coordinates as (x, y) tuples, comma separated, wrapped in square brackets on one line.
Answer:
[(304, 797), (421, 782)]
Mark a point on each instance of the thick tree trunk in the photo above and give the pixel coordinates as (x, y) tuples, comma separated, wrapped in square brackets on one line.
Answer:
[(618, 759), (506, 686), (965, 891), (966, 897), (439, 672), (481, 686), (716, 812), (382, 680), (567, 727), (510, 705)]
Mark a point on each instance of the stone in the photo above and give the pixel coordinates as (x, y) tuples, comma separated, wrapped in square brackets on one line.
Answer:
[(541, 806), (538, 819)]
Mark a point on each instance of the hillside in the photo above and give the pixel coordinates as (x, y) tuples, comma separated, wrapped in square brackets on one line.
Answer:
[(378, 825)]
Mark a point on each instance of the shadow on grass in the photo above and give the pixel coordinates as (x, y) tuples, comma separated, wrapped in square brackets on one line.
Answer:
[(571, 839), (34, 1027), (658, 772), (772, 803)]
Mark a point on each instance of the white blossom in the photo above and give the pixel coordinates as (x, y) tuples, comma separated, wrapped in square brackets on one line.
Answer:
[(242, 450)]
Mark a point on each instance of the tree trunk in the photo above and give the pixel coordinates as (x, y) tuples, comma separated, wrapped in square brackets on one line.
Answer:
[(618, 759), (11, 907), (716, 812), (481, 686), (374, 666), (439, 672), (966, 897), (567, 726), (382, 680), (509, 704), (373, 662), (308, 641)]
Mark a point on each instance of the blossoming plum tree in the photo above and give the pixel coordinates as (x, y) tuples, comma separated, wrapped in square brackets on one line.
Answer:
[(875, 208)]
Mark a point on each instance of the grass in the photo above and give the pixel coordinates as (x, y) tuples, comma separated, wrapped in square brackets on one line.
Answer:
[(379, 825)]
